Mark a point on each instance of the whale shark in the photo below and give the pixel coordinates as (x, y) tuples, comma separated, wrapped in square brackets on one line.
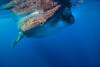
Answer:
[(41, 18)]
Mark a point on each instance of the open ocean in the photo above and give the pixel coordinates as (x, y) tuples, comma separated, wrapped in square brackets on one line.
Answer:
[(75, 46)]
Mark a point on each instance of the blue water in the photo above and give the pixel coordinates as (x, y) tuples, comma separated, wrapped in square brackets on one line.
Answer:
[(74, 46)]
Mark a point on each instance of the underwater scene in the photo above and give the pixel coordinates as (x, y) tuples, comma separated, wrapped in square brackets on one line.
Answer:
[(49, 33)]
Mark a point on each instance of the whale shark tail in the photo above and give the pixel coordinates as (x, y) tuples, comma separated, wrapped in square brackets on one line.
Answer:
[(18, 38)]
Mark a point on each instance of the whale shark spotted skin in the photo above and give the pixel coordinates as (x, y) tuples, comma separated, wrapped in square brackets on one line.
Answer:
[(41, 18)]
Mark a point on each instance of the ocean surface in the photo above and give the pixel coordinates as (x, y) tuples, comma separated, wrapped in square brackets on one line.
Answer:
[(75, 46)]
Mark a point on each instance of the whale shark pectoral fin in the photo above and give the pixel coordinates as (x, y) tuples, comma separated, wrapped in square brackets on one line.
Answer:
[(19, 37)]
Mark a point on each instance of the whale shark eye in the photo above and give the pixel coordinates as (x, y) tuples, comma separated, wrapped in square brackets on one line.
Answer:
[(41, 23)]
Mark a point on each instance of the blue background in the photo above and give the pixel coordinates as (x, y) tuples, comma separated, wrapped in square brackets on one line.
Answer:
[(74, 46)]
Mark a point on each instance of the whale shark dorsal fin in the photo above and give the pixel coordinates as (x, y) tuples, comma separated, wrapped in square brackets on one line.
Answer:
[(18, 38)]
